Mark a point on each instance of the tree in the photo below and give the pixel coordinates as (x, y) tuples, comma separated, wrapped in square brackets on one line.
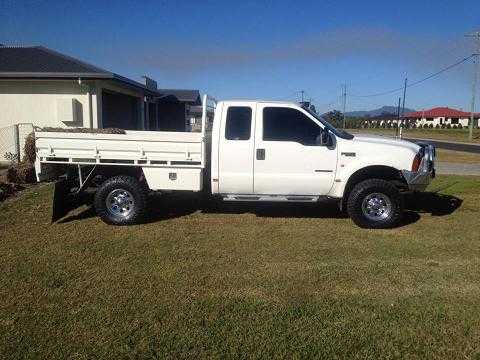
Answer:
[(335, 118)]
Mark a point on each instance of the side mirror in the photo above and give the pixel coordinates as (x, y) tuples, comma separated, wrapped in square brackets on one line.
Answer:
[(323, 139)]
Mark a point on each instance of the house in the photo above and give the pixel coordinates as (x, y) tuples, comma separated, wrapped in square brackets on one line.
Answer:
[(45, 88), (441, 117)]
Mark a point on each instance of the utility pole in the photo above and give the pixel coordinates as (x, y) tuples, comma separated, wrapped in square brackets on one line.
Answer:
[(344, 96), (398, 118), (302, 91), (476, 36), (400, 122), (404, 94)]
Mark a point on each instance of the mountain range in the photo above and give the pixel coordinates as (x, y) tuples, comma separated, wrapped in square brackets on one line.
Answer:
[(376, 112)]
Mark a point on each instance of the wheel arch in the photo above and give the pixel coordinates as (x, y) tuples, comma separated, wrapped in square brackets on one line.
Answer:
[(383, 172), (109, 171), (102, 173)]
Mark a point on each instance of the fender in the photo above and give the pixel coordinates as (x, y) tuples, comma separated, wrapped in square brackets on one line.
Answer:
[(345, 172)]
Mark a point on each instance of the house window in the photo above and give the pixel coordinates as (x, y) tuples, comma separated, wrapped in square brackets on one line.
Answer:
[(286, 124), (454, 121), (429, 119), (239, 122)]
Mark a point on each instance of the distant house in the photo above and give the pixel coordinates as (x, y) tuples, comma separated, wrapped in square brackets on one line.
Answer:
[(43, 87), (441, 116)]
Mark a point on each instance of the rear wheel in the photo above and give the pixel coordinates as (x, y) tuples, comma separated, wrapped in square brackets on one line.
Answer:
[(121, 200), (375, 204)]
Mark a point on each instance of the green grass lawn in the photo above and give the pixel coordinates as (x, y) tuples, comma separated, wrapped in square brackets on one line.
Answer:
[(283, 281), (460, 135)]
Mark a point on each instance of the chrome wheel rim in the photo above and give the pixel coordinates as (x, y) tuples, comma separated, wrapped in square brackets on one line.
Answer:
[(120, 203), (377, 206)]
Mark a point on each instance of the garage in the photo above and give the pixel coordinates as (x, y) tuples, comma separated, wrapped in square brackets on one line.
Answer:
[(120, 110)]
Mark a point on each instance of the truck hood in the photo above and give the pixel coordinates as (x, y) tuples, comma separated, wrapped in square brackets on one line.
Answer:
[(363, 139)]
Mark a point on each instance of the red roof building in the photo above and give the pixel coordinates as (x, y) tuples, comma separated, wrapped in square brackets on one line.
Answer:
[(441, 117)]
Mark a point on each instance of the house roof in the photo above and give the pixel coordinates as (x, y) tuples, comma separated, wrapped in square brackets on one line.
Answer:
[(439, 112), (38, 62)]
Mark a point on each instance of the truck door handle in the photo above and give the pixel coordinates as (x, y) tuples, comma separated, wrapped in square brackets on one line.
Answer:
[(260, 154)]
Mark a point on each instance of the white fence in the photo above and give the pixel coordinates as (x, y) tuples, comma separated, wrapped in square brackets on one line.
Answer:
[(12, 141)]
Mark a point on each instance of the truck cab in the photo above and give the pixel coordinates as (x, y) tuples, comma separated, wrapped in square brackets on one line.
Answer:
[(271, 150)]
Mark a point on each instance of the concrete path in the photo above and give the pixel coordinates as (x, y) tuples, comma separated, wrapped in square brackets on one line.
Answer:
[(457, 169)]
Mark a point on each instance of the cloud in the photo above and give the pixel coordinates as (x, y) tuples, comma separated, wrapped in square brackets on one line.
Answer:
[(376, 43)]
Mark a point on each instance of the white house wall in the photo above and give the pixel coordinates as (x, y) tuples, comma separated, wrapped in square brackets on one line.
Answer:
[(438, 121), (35, 101)]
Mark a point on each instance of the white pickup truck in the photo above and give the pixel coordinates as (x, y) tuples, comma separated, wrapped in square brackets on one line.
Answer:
[(253, 151)]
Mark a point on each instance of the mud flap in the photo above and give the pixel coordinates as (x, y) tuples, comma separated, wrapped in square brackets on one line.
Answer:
[(63, 200)]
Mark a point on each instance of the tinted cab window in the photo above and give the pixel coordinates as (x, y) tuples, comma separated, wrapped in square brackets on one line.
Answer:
[(286, 124), (238, 123)]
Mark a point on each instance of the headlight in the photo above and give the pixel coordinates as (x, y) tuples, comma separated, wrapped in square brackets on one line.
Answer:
[(416, 161)]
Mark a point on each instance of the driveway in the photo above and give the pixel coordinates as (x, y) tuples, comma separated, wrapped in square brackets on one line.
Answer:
[(457, 169)]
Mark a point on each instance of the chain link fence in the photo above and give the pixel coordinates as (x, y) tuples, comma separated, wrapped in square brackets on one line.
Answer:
[(12, 142)]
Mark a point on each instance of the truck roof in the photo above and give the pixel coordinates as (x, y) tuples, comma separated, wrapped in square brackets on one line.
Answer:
[(260, 101)]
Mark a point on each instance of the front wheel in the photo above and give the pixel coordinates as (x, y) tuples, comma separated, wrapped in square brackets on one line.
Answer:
[(375, 204), (121, 200)]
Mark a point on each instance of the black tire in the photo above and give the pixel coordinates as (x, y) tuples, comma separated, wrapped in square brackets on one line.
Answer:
[(131, 207), (385, 194)]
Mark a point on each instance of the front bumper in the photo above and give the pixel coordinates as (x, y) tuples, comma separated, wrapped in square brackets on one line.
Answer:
[(419, 180)]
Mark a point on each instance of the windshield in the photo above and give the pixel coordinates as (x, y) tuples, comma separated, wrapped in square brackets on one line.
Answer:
[(338, 132)]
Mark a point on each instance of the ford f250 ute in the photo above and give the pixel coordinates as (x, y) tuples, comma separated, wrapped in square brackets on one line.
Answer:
[(253, 151)]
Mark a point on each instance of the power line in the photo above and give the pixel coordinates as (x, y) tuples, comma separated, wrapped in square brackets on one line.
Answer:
[(418, 81)]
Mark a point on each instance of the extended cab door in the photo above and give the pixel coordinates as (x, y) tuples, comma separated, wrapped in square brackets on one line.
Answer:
[(288, 160), (236, 144)]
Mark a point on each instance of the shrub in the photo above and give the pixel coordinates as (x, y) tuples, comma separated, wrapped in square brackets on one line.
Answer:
[(437, 126), (449, 126), (29, 149), (23, 173)]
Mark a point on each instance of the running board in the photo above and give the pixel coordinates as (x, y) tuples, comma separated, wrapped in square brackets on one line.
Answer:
[(271, 198)]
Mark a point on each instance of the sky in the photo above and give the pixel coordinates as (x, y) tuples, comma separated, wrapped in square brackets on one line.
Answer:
[(266, 49)]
